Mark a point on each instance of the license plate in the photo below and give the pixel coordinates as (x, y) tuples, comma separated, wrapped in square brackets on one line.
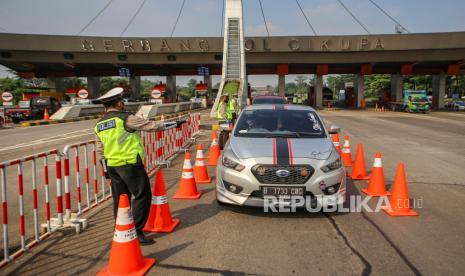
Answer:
[(279, 191)]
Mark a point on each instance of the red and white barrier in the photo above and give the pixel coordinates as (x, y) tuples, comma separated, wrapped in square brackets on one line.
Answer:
[(22, 238), (93, 198), (73, 182), (162, 146)]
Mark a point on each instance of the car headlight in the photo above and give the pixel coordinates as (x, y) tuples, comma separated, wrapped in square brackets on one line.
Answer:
[(229, 163), (334, 164)]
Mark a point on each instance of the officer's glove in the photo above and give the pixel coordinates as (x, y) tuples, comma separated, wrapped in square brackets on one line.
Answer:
[(105, 169)]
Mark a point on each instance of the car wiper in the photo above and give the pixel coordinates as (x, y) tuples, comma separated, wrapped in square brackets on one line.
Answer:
[(301, 133), (284, 135)]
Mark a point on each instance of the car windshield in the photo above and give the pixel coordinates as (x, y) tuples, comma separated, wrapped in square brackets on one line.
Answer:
[(269, 101), (419, 98), (269, 123), (460, 103)]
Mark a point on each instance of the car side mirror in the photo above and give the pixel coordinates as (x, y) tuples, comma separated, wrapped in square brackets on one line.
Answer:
[(334, 129)]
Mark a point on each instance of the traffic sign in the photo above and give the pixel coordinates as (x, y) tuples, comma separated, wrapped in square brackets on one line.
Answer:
[(349, 84), (83, 94), (124, 72), (7, 96), (156, 94), (203, 71)]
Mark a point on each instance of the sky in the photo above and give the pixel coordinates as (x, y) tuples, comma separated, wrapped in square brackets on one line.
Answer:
[(203, 17)]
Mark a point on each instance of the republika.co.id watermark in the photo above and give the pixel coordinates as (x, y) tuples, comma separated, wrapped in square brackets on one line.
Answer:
[(322, 203)]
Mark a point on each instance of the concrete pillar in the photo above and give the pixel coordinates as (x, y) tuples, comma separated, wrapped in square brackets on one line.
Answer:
[(359, 86), (134, 81), (57, 84), (439, 90), (396, 87), (93, 87), (281, 85), (319, 91), (171, 88)]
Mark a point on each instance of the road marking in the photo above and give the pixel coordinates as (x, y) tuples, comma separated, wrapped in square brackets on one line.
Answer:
[(48, 140)]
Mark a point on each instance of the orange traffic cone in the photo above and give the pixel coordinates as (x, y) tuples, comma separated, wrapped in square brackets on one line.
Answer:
[(46, 115), (382, 109), (346, 155), (359, 171), (399, 201), (160, 219), (126, 256), (200, 170), (376, 186), (187, 186), (336, 142), (215, 152)]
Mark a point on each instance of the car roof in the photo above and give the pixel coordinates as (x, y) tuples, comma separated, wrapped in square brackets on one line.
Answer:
[(275, 106)]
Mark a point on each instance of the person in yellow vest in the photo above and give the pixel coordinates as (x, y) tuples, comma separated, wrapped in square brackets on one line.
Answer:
[(232, 109), (222, 107), (119, 143)]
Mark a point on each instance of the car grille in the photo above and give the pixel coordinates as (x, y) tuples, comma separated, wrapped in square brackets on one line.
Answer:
[(268, 175)]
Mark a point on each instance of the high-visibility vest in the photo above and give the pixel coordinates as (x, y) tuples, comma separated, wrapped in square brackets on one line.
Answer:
[(121, 146), (294, 100), (299, 100), (218, 113), (231, 108)]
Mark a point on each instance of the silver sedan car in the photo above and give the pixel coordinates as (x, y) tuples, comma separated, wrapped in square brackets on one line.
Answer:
[(281, 152)]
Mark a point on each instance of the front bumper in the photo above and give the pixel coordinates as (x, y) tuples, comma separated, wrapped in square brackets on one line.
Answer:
[(250, 195)]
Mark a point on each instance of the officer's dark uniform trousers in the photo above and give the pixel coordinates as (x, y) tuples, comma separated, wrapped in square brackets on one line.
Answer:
[(132, 179)]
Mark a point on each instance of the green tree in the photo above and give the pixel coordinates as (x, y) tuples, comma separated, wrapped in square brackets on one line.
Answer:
[(107, 83), (375, 83), (291, 88), (192, 83), (302, 86), (337, 82), (74, 82), (146, 86)]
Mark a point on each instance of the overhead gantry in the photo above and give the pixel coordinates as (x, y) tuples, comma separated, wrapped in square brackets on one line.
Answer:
[(233, 76)]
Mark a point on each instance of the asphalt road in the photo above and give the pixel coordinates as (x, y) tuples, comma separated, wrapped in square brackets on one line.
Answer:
[(213, 239)]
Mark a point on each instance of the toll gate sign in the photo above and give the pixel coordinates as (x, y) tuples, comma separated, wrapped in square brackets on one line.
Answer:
[(156, 94), (7, 96), (83, 94)]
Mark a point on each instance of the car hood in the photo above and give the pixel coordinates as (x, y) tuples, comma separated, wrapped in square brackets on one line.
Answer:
[(314, 148)]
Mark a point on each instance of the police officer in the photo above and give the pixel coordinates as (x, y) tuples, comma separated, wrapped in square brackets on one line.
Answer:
[(120, 144)]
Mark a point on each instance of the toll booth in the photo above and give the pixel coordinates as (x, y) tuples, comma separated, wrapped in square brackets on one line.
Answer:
[(351, 97), (311, 96), (328, 97), (201, 92)]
